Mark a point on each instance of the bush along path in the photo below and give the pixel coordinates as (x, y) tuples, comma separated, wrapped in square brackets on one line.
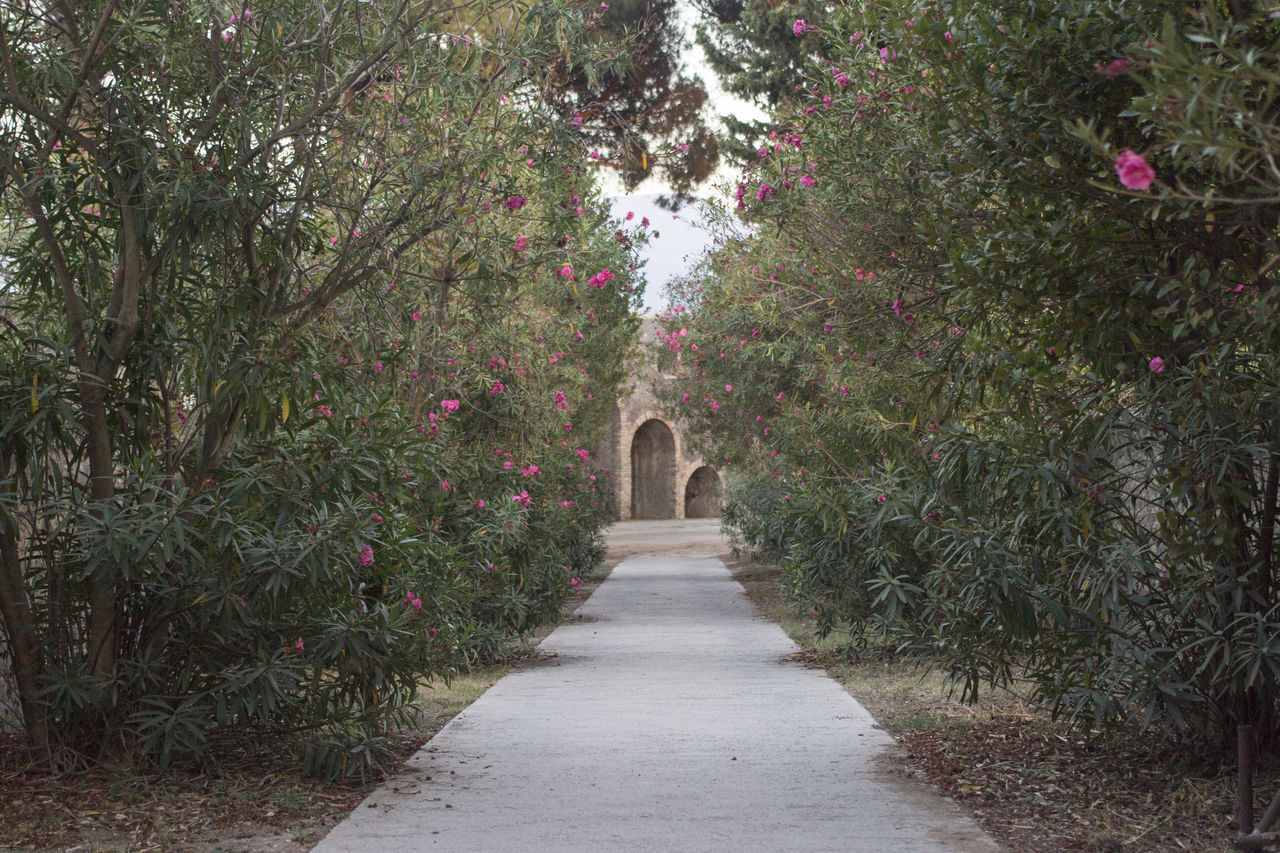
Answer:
[(300, 369), (995, 361), (1035, 784), (667, 716), (250, 799)]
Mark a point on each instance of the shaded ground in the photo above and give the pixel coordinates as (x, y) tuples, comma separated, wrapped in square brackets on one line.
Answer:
[(1036, 786), (248, 802)]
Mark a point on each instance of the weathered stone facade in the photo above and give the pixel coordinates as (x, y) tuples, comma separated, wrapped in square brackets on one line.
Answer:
[(656, 475)]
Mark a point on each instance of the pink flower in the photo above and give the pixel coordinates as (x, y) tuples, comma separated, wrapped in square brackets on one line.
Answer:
[(1112, 69), (366, 555), (1156, 364), (417, 315), (324, 410), (480, 504), (299, 646), (799, 28), (728, 388), (377, 367), (497, 388), (1134, 171), (449, 405), (516, 202), (806, 180), (444, 486)]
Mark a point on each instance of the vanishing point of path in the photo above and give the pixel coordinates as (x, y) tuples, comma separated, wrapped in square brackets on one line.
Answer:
[(668, 715)]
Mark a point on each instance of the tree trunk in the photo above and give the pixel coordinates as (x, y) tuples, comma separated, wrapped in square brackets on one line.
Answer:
[(104, 624), (20, 630)]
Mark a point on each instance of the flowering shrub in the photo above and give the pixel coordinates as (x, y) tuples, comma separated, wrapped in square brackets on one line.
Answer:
[(1009, 395), (253, 480)]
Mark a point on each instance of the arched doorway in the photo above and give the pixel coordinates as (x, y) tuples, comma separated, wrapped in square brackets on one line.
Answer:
[(702, 494), (653, 471)]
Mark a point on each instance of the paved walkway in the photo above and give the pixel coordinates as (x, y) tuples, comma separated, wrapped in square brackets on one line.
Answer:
[(671, 718)]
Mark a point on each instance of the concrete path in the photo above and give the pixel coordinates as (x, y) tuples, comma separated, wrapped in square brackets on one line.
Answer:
[(670, 718)]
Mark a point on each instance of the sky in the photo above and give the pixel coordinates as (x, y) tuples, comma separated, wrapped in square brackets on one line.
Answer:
[(680, 242)]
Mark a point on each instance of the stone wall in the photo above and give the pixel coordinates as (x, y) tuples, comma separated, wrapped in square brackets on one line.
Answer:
[(641, 481)]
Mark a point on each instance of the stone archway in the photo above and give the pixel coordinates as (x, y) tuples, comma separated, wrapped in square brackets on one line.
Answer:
[(702, 493), (653, 471)]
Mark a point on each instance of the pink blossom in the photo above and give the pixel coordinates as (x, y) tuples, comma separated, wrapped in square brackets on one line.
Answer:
[(480, 504), (445, 487), (497, 388), (299, 645), (1112, 69), (799, 28), (516, 202), (1134, 171), (377, 367), (366, 555), (417, 315), (1156, 365), (449, 405)]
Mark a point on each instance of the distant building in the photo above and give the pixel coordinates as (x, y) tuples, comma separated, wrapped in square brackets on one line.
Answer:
[(656, 475)]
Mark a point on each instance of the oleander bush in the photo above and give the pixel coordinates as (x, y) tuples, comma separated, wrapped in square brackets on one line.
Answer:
[(992, 346), (310, 319)]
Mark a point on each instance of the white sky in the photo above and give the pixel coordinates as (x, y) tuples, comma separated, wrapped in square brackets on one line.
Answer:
[(681, 241)]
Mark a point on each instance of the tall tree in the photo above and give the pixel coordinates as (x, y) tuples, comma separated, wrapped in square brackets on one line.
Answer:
[(640, 110)]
